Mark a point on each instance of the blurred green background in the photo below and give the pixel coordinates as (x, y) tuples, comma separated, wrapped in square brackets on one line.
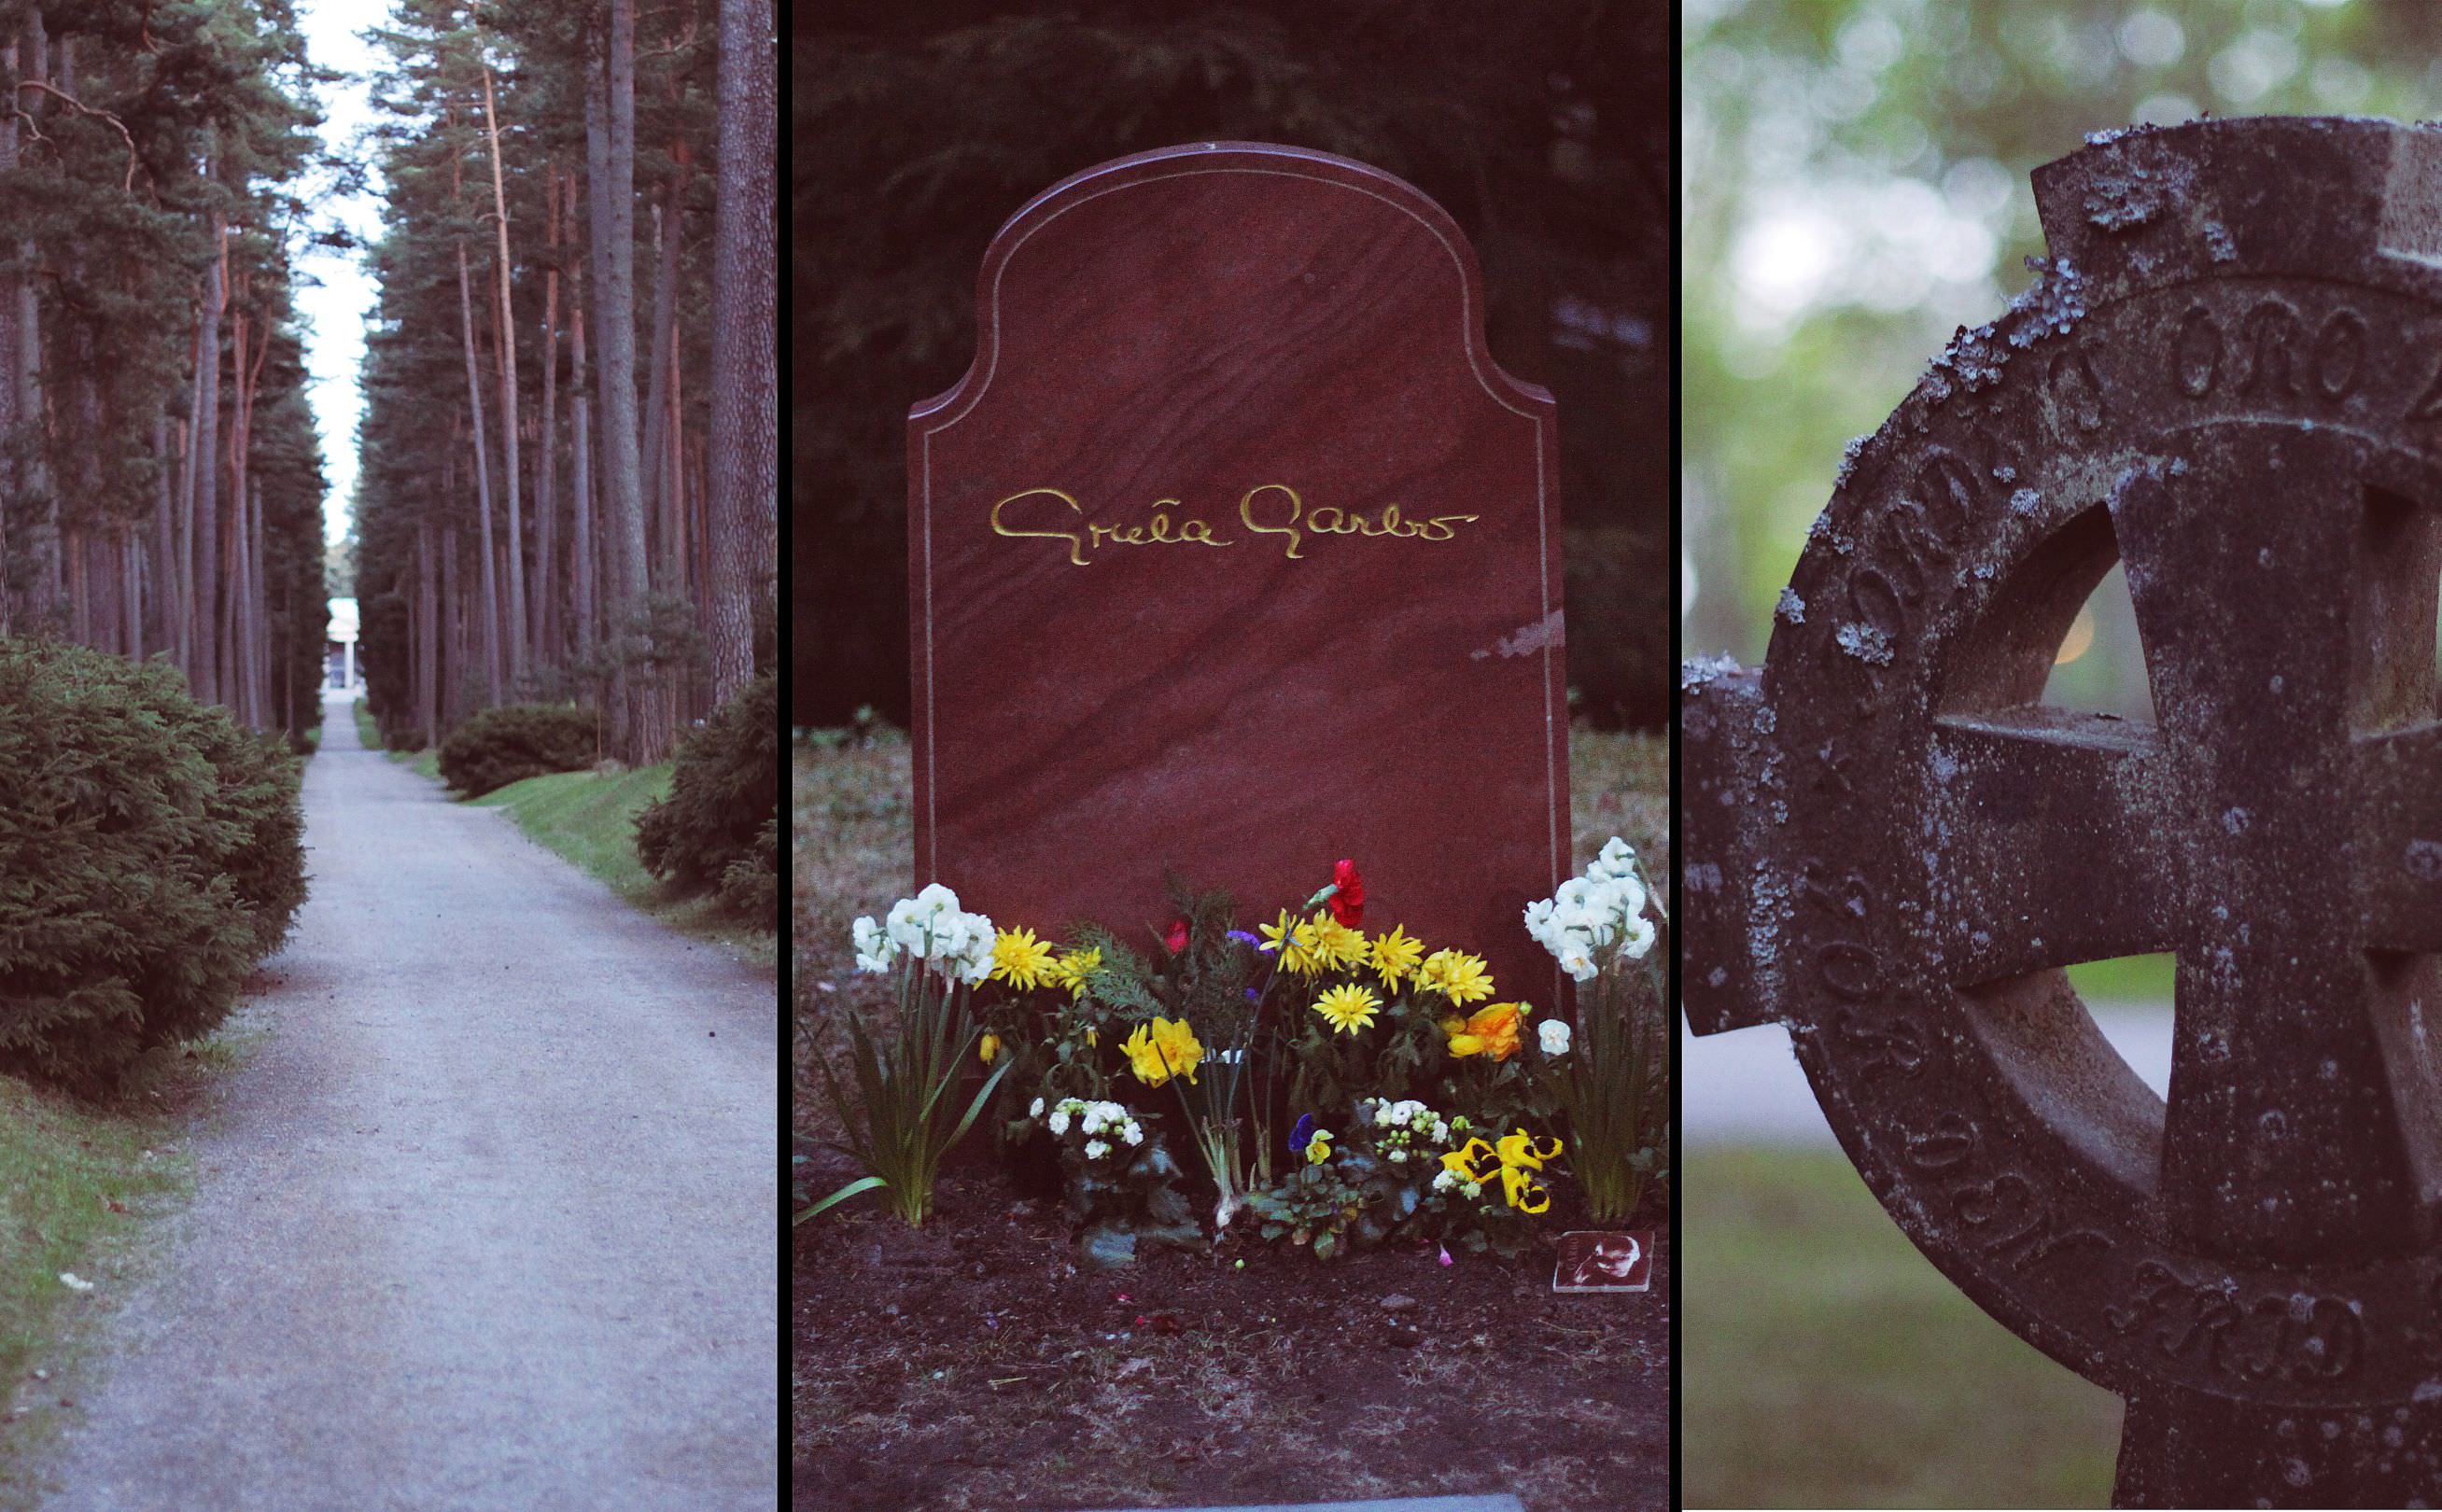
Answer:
[(1854, 187)]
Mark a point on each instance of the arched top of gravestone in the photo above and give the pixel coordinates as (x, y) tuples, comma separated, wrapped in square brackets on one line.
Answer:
[(1175, 249)]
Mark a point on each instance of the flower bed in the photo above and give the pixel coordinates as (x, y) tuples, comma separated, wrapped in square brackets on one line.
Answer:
[(1304, 1082)]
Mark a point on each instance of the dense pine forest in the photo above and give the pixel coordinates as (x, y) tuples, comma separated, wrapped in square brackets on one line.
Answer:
[(570, 443), (160, 483)]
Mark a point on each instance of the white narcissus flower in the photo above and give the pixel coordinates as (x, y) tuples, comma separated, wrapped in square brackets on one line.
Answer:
[(935, 900), (1555, 1035), (1578, 963), (1638, 941)]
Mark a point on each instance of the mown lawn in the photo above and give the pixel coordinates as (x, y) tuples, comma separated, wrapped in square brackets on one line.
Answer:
[(1825, 1363), (588, 819)]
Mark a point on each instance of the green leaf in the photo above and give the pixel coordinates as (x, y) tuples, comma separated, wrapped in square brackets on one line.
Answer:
[(860, 1184)]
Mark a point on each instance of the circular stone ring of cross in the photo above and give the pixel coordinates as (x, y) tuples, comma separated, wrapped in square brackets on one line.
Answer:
[(2227, 378)]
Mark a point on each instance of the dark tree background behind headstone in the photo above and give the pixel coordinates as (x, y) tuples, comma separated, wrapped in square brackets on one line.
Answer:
[(1543, 128)]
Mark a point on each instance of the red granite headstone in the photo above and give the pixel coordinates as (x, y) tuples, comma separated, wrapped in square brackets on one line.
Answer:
[(1234, 551)]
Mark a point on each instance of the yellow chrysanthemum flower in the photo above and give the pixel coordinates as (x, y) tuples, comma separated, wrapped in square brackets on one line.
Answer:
[(1457, 975), (1161, 1050), (1349, 1008), (1020, 960), (1341, 947), (1298, 943), (1071, 969), (1394, 955)]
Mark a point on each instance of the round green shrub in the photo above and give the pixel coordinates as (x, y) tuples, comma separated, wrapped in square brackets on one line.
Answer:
[(517, 742), (150, 853), (722, 813), (750, 885)]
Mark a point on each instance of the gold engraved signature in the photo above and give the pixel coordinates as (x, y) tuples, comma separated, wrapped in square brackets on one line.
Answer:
[(1267, 509)]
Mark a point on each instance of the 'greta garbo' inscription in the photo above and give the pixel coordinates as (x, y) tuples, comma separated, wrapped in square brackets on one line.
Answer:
[(1272, 510)]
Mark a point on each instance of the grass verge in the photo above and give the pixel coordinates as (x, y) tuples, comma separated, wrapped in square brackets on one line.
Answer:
[(80, 1184), (588, 819), (1826, 1363)]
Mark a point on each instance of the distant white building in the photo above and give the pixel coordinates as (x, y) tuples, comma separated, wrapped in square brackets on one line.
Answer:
[(340, 651)]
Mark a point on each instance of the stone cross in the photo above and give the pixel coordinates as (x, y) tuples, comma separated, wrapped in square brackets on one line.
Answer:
[(1234, 551), (2228, 377)]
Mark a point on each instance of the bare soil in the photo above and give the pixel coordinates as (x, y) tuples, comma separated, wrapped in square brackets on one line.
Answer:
[(979, 1364)]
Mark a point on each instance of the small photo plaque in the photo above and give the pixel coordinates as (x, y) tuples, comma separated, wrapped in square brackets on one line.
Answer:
[(1604, 1262)]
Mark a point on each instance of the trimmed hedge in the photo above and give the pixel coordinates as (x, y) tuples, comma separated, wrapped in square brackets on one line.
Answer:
[(719, 826), (150, 852), (515, 742)]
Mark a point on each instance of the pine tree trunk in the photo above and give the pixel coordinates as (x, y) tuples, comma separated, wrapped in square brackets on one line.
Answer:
[(453, 685), (612, 192), (580, 546), (743, 505), (508, 362), (549, 639), (483, 487), (131, 595), (164, 597), (427, 644), (33, 479), (206, 673), (8, 416)]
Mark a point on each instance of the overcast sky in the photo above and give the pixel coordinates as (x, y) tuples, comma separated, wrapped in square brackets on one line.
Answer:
[(341, 292)]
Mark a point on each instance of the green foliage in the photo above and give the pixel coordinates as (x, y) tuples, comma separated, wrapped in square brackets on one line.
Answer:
[(901, 1119), (1122, 1195), (750, 885), (150, 855), (1379, 1183), (497, 747), (718, 828)]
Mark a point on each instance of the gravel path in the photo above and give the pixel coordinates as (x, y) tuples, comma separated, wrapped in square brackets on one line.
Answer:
[(488, 1220), (1746, 1087)]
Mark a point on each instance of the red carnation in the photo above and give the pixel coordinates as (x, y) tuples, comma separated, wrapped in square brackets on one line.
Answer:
[(1177, 939), (1348, 904)]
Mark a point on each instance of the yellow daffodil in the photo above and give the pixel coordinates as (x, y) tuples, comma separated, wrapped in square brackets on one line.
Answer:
[(1298, 944), (1161, 1050), (1071, 969), (1349, 1008), (1020, 960), (1341, 948), (1518, 1155), (1487, 1032), (1394, 956), (1456, 975), (989, 1049)]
